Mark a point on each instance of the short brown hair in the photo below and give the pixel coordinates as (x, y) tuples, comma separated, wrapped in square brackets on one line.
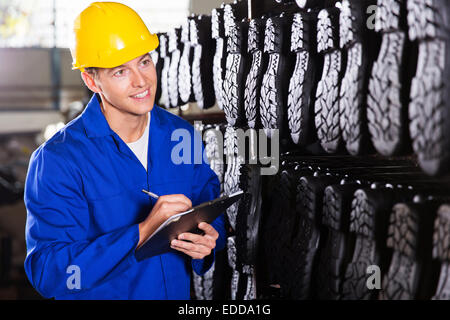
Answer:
[(92, 71)]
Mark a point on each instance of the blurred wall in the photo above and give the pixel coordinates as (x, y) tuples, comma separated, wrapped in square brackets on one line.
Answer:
[(26, 95), (206, 6)]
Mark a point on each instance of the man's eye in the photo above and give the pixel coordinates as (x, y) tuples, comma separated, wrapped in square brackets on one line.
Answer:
[(119, 73), (146, 62)]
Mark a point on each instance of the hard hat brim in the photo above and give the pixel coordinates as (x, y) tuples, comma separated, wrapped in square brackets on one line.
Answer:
[(118, 57)]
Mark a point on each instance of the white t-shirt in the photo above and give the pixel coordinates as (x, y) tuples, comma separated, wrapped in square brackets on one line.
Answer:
[(140, 146)]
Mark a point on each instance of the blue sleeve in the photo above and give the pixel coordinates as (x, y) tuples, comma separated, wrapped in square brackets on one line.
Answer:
[(57, 231), (206, 188)]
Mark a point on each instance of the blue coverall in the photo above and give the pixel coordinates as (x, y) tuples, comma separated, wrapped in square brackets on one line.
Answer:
[(84, 202)]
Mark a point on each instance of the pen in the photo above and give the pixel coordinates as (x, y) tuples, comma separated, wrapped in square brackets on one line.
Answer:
[(151, 194)]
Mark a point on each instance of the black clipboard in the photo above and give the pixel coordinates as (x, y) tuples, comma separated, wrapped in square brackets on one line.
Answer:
[(159, 241)]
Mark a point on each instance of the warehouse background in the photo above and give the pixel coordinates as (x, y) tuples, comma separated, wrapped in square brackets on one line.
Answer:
[(355, 92)]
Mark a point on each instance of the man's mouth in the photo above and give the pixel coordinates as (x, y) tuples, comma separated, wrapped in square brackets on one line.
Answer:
[(141, 95)]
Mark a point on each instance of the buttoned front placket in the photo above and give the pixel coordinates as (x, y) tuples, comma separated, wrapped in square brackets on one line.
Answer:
[(157, 149), (156, 146)]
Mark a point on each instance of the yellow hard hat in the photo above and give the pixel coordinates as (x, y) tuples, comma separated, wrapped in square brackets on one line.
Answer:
[(109, 34)]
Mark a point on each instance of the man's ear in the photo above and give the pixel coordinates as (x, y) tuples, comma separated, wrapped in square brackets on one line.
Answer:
[(89, 81)]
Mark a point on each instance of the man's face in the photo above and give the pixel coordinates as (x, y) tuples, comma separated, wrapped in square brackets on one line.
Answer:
[(130, 88)]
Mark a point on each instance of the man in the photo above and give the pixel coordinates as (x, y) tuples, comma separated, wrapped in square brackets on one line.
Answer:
[(86, 212)]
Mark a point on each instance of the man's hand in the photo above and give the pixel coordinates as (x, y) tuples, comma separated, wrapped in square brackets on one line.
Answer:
[(164, 208), (197, 246)]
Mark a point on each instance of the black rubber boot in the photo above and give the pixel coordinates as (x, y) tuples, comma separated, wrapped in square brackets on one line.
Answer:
[(202, 71), (429, 110)]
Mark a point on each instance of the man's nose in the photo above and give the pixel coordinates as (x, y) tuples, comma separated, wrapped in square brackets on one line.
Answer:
[(138, 79)]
